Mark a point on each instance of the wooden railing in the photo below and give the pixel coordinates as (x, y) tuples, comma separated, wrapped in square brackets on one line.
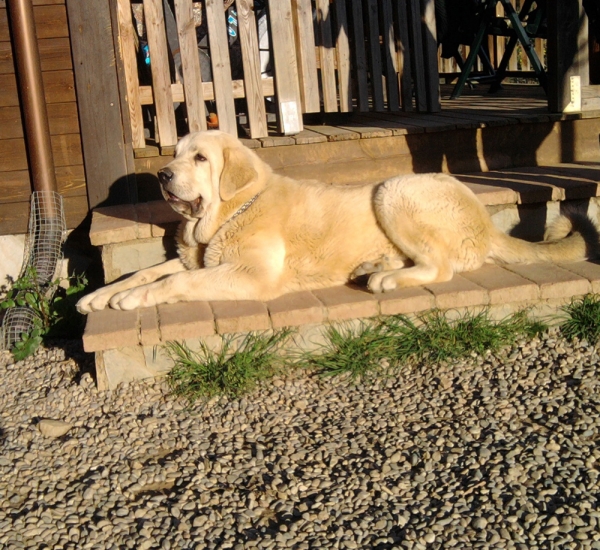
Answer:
[(324, 55)]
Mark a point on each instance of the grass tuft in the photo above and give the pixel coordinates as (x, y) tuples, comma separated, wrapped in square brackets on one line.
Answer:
[(359, 352), (231, 372), (439, 338), (435, 337), (583, 321)]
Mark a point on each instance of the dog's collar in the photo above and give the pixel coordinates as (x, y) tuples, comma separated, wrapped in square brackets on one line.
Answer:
[(245, 206)]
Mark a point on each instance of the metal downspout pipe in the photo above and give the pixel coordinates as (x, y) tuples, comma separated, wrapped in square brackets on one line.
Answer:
[(31, 92)]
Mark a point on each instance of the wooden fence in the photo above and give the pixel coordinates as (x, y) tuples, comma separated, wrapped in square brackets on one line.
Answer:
[(322, 56), (317, 56)]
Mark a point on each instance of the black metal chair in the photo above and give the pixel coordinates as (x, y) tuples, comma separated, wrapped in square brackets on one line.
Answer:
[(523, 27)]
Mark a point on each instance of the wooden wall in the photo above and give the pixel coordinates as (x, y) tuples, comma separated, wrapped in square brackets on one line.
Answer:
[(57, 69)]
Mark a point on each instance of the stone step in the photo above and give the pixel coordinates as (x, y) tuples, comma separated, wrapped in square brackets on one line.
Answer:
[(129, 344), (523, 200)]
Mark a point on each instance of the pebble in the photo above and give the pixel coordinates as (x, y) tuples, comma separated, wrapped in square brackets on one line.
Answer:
[(53, 428), (493, 451)]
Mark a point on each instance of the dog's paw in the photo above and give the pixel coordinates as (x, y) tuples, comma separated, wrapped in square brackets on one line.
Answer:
[(93, 302), (382, 282), (131, 299), (366, 268)]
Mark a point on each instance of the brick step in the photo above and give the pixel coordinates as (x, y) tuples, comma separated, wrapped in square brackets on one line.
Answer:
[(128, 344), (520, 199)]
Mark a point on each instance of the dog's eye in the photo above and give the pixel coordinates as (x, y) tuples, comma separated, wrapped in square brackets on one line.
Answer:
[(199, 158)]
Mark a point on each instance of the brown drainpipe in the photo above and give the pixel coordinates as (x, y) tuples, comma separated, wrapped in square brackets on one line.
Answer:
[(31, 90)]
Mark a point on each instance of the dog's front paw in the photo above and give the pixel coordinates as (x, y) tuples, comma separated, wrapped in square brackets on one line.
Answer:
[(132, 299), (94, 301)]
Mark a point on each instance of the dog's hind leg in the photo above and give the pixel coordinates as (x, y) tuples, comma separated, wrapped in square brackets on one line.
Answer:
[(413, 225), (419, 274)]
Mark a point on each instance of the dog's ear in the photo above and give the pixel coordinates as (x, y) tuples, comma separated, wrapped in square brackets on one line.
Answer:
[(237, 173)]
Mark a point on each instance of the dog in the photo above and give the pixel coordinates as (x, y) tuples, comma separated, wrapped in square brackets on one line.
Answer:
[(250, 234)]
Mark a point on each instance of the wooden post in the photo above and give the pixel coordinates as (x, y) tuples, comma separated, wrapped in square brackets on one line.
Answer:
[(190, 65), (221, 66), (124, 32), (326, 56), (305, 54), (94, 64), (287, 86), (257, 112), (567, 52), (342, 52), (430, 54), (161, 76)]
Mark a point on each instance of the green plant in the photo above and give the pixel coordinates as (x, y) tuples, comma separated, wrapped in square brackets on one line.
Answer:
[(360, 352), (583, 321), (433, 336), (231, 372), (52, 307), (438, 337)]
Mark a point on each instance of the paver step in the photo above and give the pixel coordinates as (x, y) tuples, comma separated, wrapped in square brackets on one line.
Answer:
[(538, 184), (128, 344)]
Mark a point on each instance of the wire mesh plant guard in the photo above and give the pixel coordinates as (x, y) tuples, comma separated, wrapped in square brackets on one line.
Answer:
[(42, 255)]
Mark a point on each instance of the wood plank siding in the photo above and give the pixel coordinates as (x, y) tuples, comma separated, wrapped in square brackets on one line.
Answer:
[(59, 86)]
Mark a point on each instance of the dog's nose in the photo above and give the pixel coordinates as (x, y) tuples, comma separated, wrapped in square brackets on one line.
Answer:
[(165, 176)]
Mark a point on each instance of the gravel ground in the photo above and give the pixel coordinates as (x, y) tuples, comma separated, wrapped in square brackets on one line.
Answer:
[(493, 452)]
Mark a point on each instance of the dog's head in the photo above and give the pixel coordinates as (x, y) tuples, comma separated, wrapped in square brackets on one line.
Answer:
[(209, 168)]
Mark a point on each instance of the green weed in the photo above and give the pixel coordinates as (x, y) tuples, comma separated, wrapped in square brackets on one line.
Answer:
[(52, 306), (583, 319), (433, 336), (205, 374), (360, 352), (437, 337)]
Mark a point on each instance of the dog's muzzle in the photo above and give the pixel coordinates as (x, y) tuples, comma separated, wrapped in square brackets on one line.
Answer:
[(165, 178)]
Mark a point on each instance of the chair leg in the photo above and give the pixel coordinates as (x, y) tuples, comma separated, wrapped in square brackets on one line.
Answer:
[(475, 47), (525, 40)]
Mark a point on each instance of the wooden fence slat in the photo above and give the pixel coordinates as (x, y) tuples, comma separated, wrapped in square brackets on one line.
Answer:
[(248, 36), (430, 53), (375, 55), (127, 46), (389, 49), (342, 49), (306, 56), (416, 51), (286, 72), (221, 70), (360, 56), (403, 55), (326, 56), (161, 76), (190, 66)]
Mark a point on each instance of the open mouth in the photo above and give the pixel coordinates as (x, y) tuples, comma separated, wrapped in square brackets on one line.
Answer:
[(171, 197), (194, 205)]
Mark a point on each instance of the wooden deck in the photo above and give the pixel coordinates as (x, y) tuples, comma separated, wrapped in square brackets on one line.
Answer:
[(474, 133), (476, 108)]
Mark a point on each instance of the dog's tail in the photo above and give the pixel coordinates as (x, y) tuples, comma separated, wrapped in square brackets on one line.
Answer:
[(572, 237)]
